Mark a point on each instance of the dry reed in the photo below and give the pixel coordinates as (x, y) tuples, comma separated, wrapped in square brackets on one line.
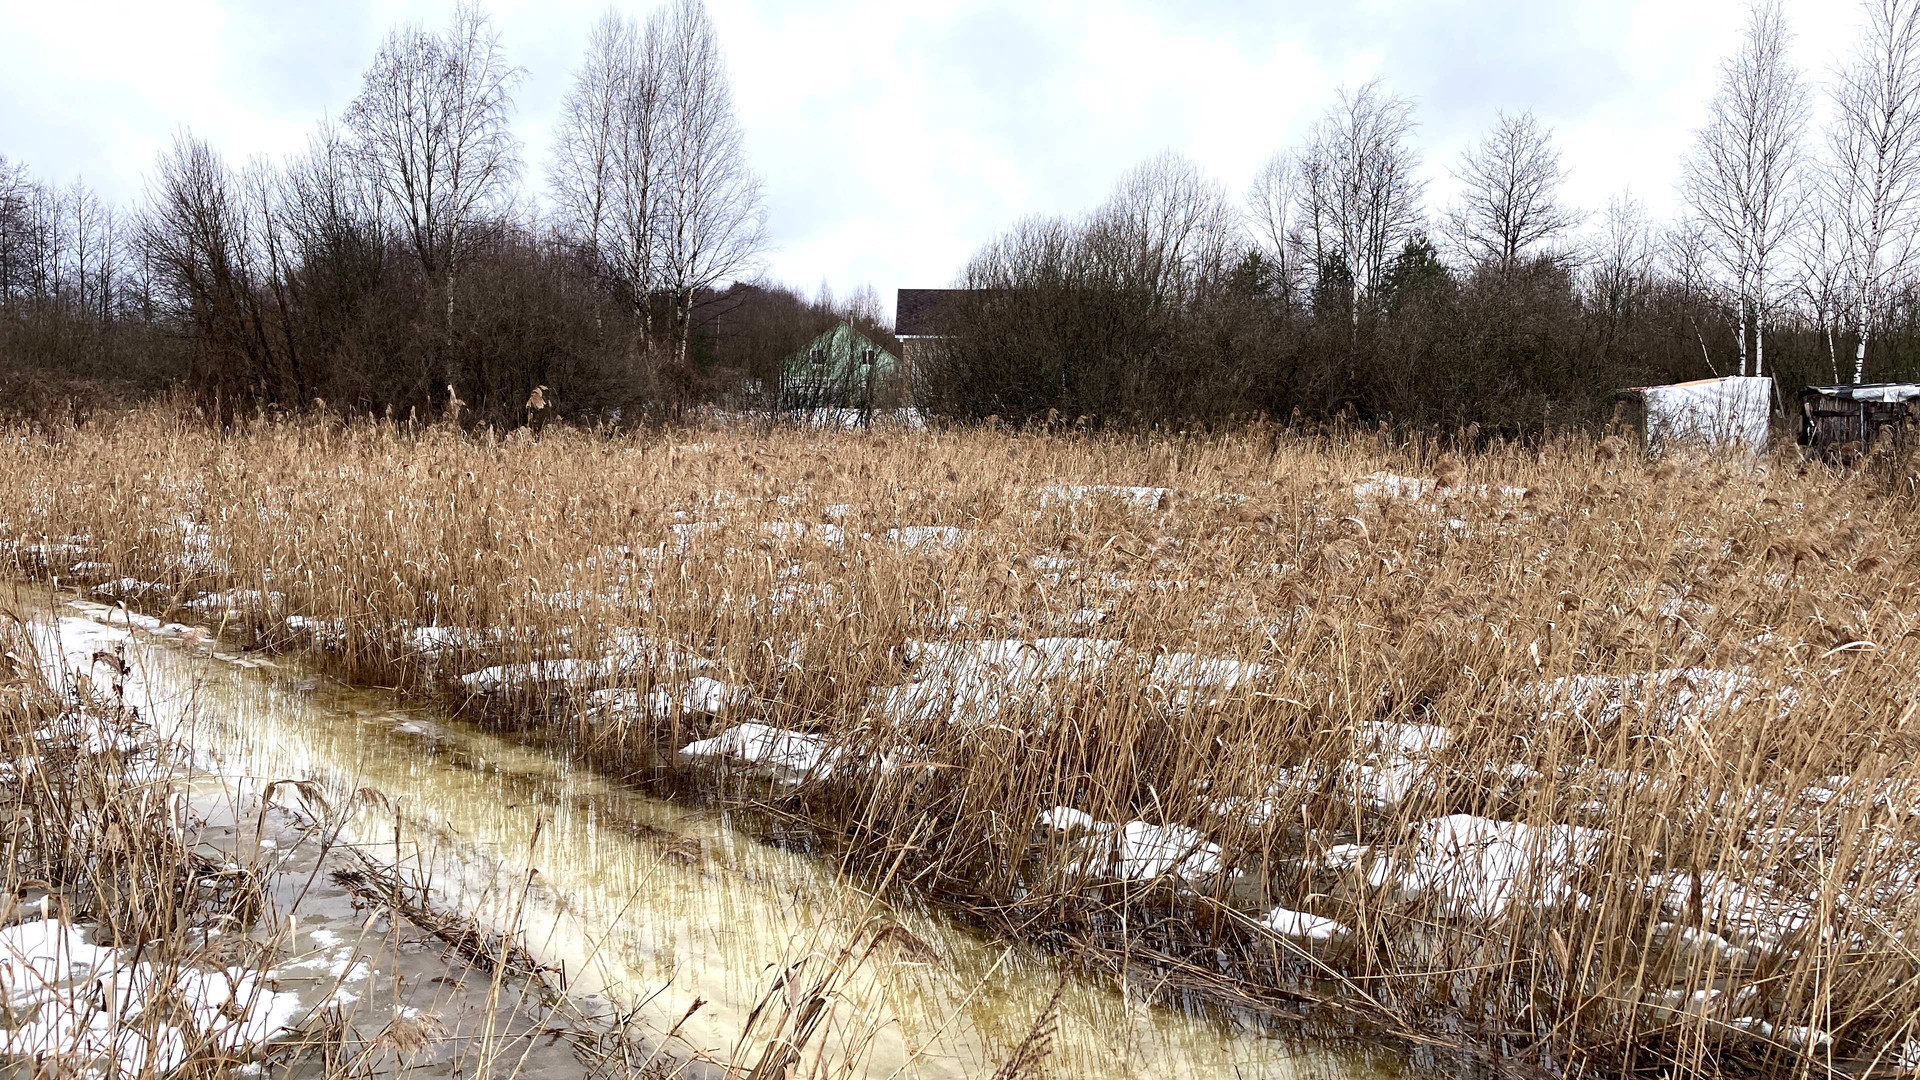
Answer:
[(1602, 762)]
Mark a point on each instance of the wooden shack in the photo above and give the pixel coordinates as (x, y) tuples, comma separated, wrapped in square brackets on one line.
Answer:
[(1835, 417)]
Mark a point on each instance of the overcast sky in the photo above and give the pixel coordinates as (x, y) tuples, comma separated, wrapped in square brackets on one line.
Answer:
[(895, 138)]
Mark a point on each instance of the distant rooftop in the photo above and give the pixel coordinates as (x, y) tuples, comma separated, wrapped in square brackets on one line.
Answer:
[(924, 312)]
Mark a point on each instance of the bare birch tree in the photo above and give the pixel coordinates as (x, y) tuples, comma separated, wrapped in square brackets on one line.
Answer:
[(431, 125), (713, 215), (82, 213), (1874, 166), (1741, 179), (641, 162), (1509, 204), (52, 249), (1360, 197), (607, 174), (581, 172)]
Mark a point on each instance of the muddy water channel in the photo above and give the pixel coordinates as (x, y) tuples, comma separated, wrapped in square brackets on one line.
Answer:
[(648, 906)]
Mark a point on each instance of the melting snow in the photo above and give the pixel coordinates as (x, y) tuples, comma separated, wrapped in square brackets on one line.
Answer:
[(1402, 738), (684, 535), (1393, 486), (1667, 698), (1067, 819), (1478, 868), (92, 1009), (1796, 1037), (41, 956), (1182, 673), (1138, 851), (1288, 923), (918, 536), (631, 652), (1412, 488), (1751, 914), (793, 531), (790, 752), (979, 680), (1146, 498), (701, 695)]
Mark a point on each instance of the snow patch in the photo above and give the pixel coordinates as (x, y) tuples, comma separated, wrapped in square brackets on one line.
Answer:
[(789, 752), (1138, 851), (1145, 498), (1299, 924), (1480, 868), (923, 536), (92, 1010)]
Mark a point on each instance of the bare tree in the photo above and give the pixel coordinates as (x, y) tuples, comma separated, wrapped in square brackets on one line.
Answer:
[(713, 218), (864, 307), (1816, 275), (1689, 252), (1509, 204), (1741, 179), (1873, 177), (1623, 262), (333, 214), (44, 242), (607, 174), (1270, 212), (1360, 198), (581, 172), (88, 240), (196, 231), (431, 126), (1167, 232), (16, 221)]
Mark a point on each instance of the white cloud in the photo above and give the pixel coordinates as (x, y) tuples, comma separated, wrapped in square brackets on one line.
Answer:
[(894, 138)]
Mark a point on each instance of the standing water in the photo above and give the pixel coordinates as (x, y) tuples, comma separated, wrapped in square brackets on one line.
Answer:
[(652, 905)]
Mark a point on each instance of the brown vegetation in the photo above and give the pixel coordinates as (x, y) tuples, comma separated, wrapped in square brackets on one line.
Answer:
[(1707, 663)]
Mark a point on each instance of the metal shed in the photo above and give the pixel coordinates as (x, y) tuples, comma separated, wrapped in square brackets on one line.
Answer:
[(1835, 416)]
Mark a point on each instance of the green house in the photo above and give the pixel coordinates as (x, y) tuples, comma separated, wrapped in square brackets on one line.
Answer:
[(841, 368)]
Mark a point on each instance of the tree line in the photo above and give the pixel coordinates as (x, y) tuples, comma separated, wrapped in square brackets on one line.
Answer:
[(76, 294), (403, 262), (398, 263), (1333, 288)]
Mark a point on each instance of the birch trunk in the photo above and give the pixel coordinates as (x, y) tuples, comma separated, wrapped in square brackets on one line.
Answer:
[(1740, 331), (1860, 353)]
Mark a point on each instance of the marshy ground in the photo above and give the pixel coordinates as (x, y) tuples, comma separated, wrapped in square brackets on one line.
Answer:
[(1551, 753)]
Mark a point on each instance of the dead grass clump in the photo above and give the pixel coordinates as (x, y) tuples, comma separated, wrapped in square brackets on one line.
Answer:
[(124, 946)]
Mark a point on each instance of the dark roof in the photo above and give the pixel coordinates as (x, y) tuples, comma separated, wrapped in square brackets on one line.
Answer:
[(1867, 391), (922, 312)]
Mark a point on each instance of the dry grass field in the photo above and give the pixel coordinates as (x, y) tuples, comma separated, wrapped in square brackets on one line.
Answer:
[(1555, 752)]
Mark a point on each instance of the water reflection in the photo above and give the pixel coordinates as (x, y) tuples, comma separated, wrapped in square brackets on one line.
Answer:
[(654, 904)]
